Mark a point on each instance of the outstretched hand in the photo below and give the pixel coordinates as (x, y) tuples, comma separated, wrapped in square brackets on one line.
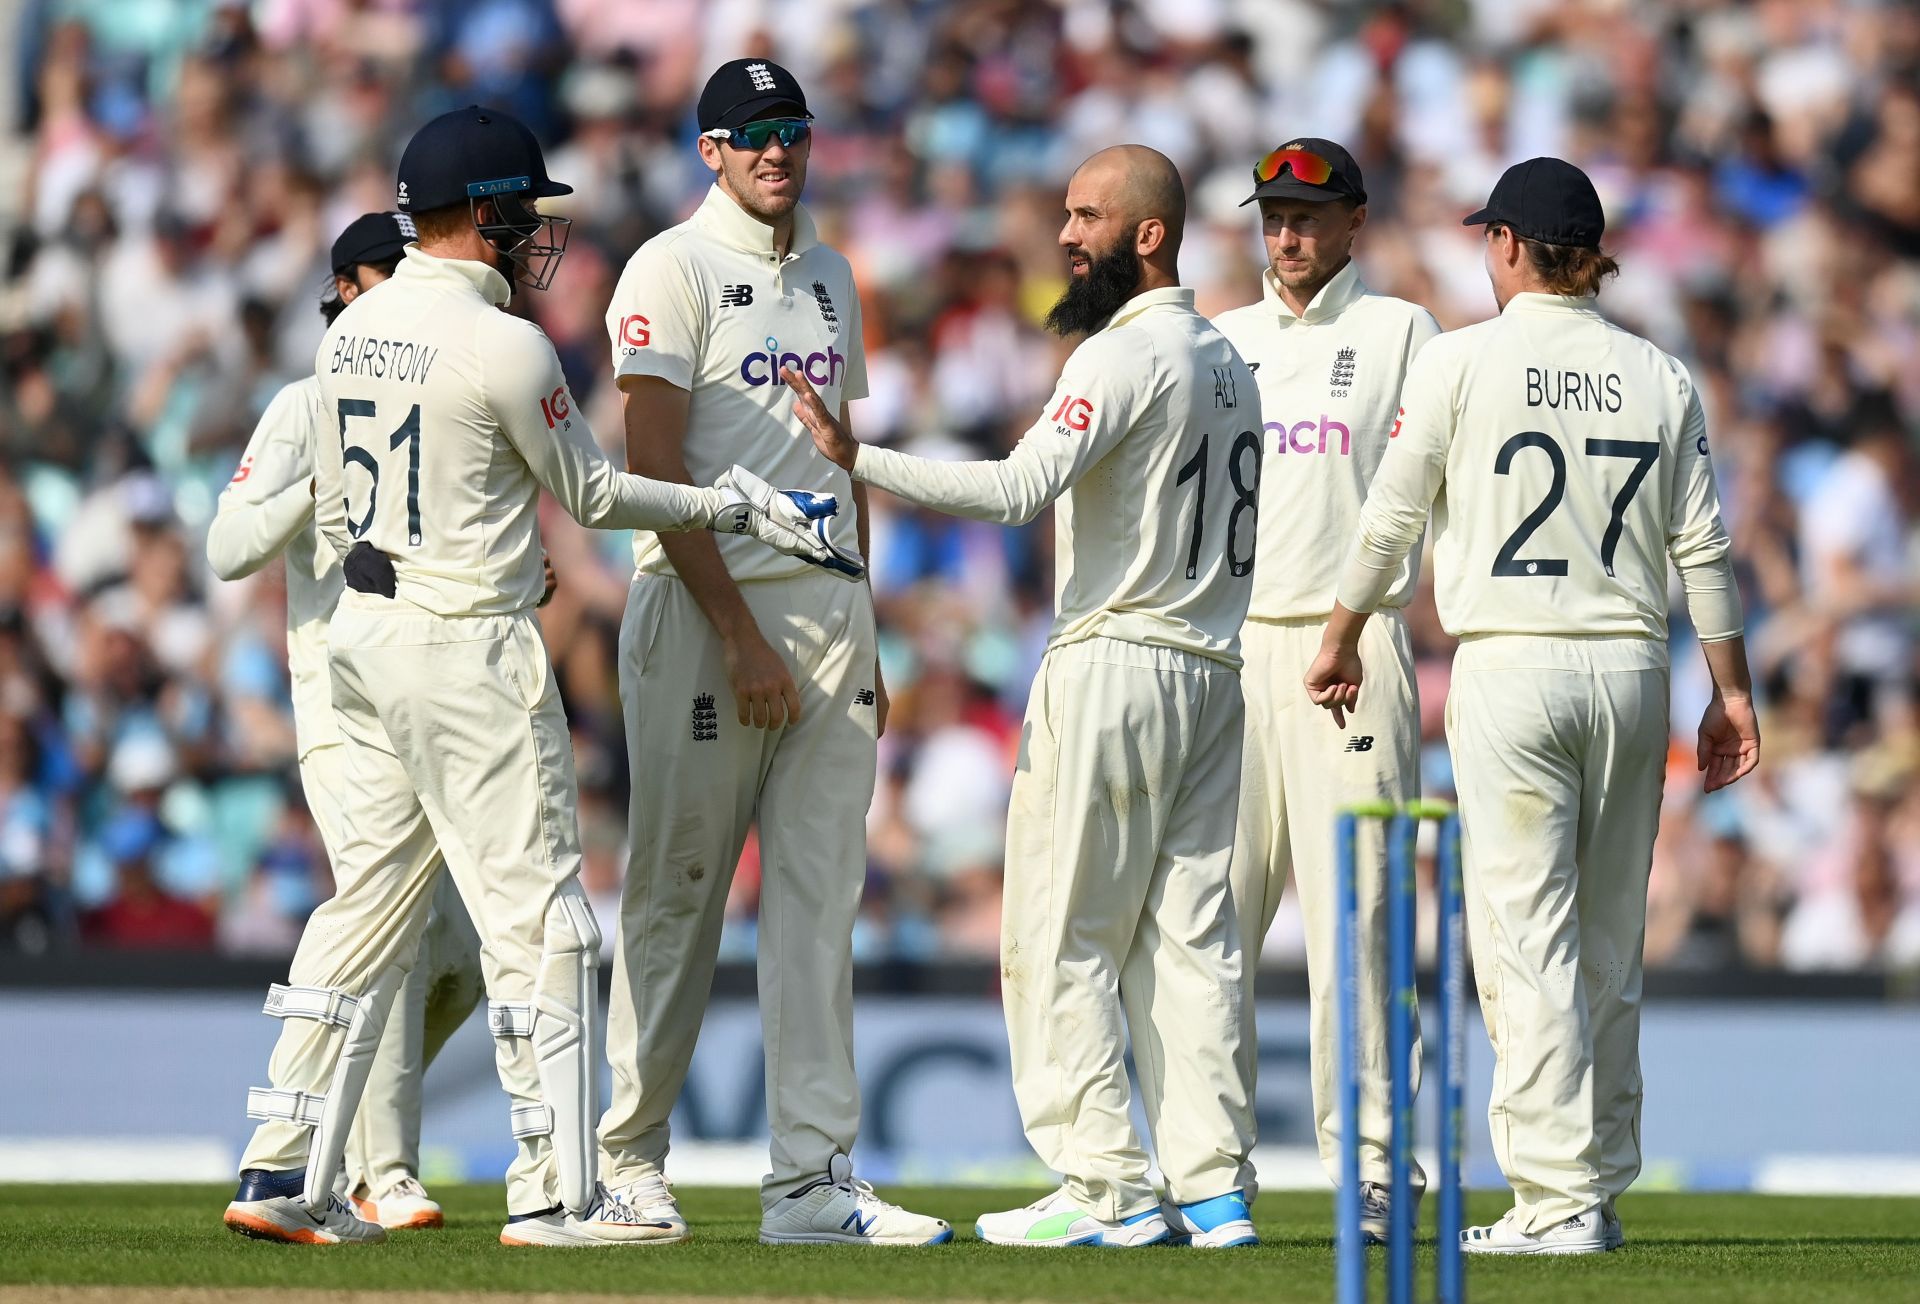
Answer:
[(829, 436)]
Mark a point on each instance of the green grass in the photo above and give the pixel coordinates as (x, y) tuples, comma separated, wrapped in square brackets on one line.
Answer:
[(1680, 1247)]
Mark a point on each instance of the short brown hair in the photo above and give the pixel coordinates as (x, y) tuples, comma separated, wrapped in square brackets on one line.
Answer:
[(437, 224), (1571, 270)]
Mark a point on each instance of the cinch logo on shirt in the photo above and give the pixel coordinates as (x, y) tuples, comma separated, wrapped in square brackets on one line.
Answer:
[(764, 368), (1299, 437)]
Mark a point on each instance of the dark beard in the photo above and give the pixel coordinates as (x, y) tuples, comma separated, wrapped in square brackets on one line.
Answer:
[(1111, 279)]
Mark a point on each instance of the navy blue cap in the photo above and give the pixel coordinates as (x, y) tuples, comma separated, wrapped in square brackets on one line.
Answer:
[(1545, 199), (372, 238), (472, 153), (1343, 179), (745, 90)]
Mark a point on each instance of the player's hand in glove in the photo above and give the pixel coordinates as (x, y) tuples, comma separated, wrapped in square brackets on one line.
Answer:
[(787, 520)]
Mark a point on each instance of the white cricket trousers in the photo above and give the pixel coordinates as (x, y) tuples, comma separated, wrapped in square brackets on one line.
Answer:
[(439, 993), (701, 779), (1117, 923), (452, 736), (1299, 770), (1559, 753)]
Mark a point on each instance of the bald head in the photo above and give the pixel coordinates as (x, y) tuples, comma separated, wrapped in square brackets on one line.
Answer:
[(1126, 210), (1138, 184)]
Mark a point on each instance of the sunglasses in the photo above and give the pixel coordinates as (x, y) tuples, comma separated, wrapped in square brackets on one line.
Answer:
[(1310, 168), (755, 135)]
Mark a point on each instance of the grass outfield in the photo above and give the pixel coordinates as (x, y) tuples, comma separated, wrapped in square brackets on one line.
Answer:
[(1680, 1247)]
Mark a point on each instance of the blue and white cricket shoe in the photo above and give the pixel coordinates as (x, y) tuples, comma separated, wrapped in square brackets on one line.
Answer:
[(840, 1209), (270, 1207), (1055, 1221), (1222, 1223)]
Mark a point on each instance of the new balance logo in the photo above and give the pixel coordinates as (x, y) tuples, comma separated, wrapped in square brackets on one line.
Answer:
[(736, 296), (407, 229), (706, 720), (762, 79), (864, 697), (1360, 743), (861, 1226)]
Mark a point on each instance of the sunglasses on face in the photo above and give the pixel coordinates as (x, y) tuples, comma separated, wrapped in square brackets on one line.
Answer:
[(1307, 167), (755, 135)]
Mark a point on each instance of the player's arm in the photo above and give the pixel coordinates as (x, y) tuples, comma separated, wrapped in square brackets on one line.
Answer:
[(657, 327), (764, 694), (1096, 402), (270, 498), (1729, 742), (1394, 516), (528, 396)]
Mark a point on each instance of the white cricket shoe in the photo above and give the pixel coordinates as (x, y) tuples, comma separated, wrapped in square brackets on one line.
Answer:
[(652, 1197), (839, 1209), (608, 1221), (1055, 1221), (403, 1206), (1584, 1233), (270, 1207)]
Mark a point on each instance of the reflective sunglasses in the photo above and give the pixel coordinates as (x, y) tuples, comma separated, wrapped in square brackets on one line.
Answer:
[(1307, 167), (755, 135)]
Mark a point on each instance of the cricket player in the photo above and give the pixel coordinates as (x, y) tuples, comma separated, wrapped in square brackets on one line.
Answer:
[(266, 511), (1118, 921), (749, 681), (1329, 356), (451, 417), (1564, 462)]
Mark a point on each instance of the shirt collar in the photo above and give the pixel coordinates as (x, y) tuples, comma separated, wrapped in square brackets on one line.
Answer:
[(487, 282), (1178, 296), (1533, 301), (1330, 302), (721, 216)]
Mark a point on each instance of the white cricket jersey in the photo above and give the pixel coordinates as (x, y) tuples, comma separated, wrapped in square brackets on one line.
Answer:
[(1329, 388), (1564, 461), (712, 307), (1153, 436), (267, 509), (446, 417)]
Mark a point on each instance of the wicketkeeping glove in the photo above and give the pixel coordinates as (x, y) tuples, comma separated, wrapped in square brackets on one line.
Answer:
[(791, 521)]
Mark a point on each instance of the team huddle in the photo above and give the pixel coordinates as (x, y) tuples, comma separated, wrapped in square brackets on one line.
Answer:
[(1239, 511)]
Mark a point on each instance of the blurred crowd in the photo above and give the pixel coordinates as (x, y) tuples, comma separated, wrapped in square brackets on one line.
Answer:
[(185, 164)]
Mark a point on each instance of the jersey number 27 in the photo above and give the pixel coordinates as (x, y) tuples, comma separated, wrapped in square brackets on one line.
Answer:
[(1644, 452)]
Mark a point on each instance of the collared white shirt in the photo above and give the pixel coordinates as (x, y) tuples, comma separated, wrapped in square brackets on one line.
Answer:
[(447, 417), (1564, 461), (712, 307), (1152, 436), (1329, 390)]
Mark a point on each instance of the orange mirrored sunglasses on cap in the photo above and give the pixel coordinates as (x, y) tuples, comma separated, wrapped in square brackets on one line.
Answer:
[(1307, 167)]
